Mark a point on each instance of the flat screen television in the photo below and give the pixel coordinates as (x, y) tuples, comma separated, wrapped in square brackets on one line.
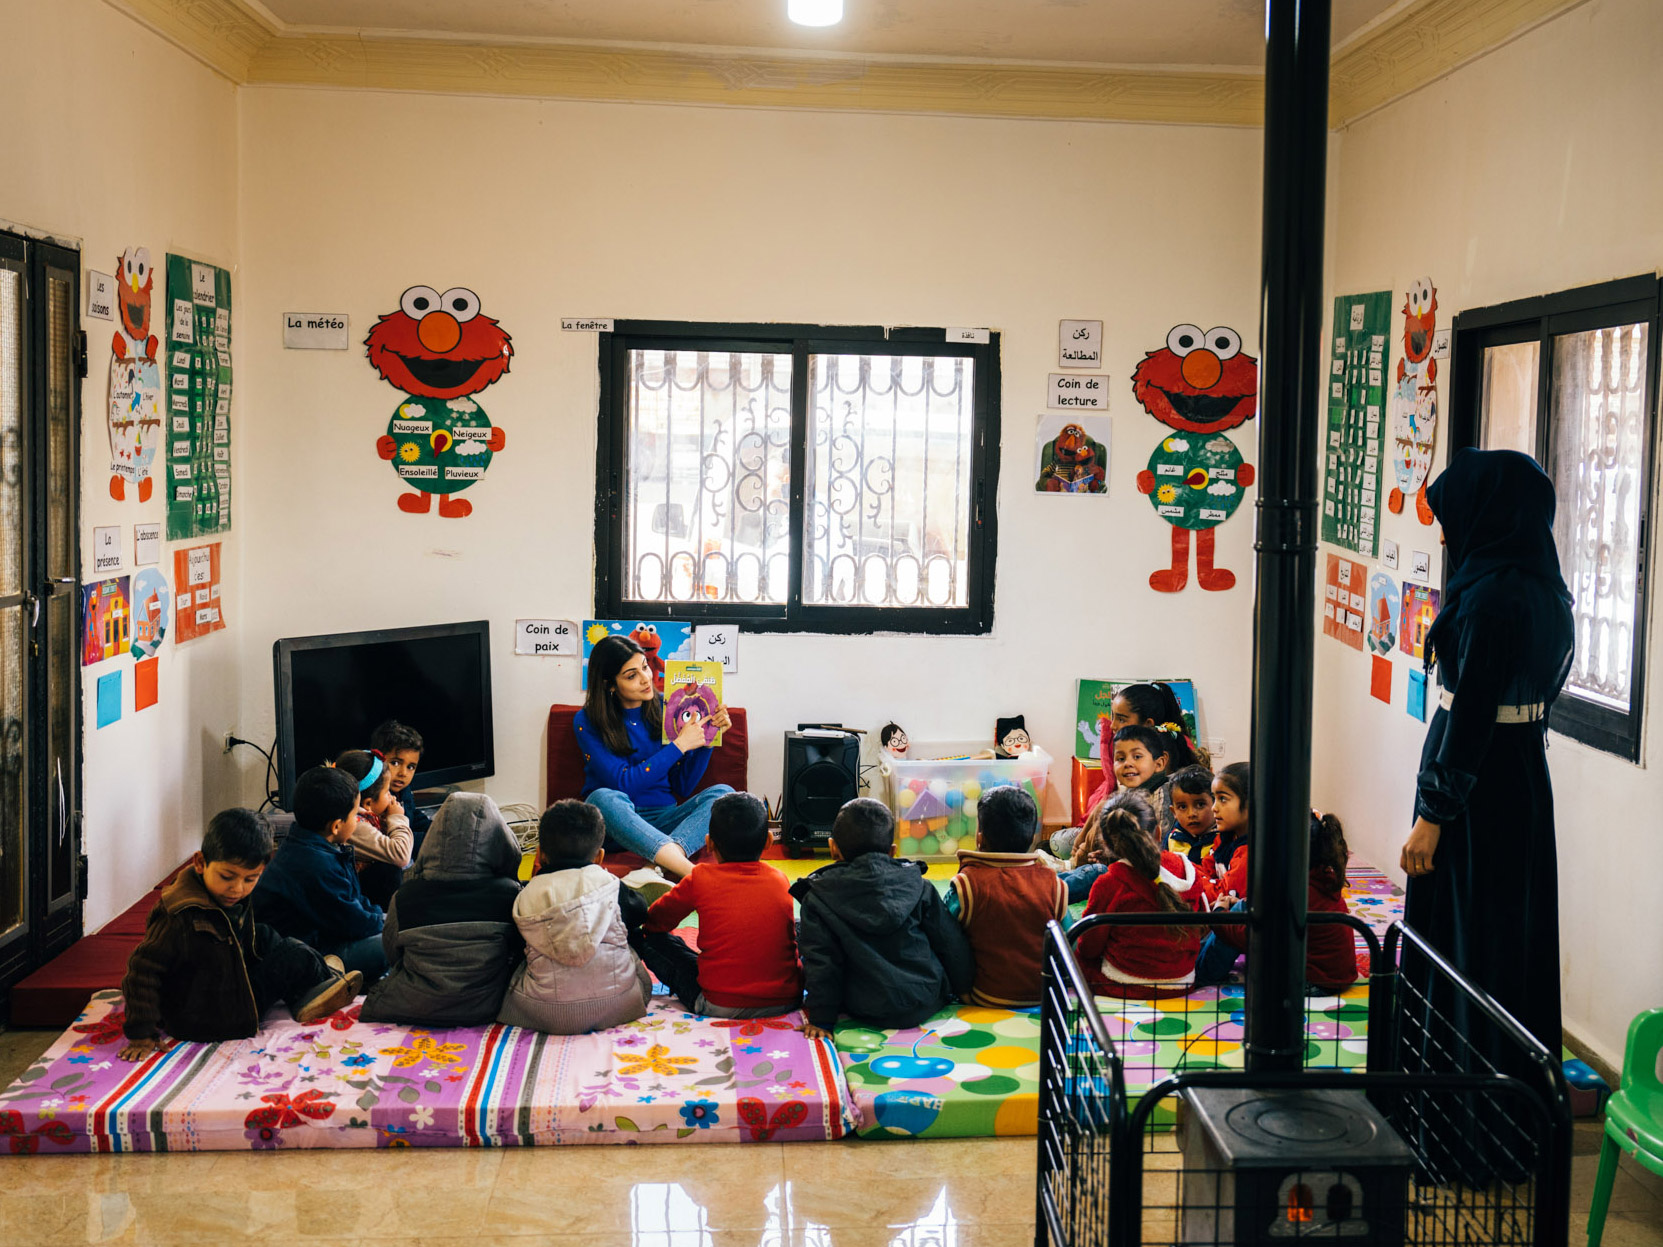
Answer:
[(332, 692)]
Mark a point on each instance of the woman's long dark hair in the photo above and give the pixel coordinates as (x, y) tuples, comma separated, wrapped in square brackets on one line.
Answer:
[(1157, 705), (600, 702)]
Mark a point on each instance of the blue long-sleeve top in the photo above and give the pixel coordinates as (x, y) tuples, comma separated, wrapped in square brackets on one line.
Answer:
[(310, 892), (653, 776)]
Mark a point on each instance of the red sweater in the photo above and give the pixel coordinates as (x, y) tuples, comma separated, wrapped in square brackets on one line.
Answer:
[(747, 941), (1141, 960), (1330, 949)]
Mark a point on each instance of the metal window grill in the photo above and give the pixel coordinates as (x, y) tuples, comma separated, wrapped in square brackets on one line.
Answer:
[(1472, 1107)]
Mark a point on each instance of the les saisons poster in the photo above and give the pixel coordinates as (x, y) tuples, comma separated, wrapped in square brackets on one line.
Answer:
[(692, 690)]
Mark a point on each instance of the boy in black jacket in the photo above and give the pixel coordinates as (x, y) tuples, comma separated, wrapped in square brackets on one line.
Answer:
[(877, 941)]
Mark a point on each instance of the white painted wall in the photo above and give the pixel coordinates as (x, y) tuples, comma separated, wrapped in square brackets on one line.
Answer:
[(1527, 172), (115, 138), (551, 209)]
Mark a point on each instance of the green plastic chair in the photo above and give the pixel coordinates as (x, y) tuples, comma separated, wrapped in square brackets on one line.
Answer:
[(1633, 1116)]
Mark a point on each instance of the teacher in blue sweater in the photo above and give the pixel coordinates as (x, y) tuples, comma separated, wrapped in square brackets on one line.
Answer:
[(642, 788)]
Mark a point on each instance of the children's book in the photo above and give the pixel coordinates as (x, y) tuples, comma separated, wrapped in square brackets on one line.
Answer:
[(1096, 699), (691, 689)]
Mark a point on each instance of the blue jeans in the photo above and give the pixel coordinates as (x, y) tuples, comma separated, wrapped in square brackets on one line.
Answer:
[(1079, 880), (1217, 957), (367, 956), (645, 832)]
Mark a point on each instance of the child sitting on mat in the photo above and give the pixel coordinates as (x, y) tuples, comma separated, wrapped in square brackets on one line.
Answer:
[(1140, 762), (746, 966), (580, 973), (310, 890), (450, 936), (1003, 896), (1330, 949), (1140, 961), (383, 842), (1232, 813), (877, 941), (1195, 824), (400, 746), (205, 970)]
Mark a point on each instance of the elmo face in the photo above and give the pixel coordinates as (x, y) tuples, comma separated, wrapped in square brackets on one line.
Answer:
[(134, 281), (438, 345), (1420, 318), (1199, 382)]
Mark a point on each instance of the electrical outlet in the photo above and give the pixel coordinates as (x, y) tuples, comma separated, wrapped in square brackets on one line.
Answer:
[(1215, 746), (230, 742)]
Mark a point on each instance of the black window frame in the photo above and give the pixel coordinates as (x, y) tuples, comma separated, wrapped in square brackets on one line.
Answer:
[(1540, 319), (799, 341)]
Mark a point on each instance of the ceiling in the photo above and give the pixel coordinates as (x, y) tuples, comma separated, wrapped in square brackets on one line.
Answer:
[(1210, 33)]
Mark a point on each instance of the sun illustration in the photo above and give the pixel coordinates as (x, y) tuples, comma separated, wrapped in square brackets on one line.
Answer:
[(597, 632), (1166, 493), (409, 452)]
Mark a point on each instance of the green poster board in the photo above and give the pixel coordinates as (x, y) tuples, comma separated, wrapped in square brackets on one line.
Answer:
[(1354, 457), (198, 364)]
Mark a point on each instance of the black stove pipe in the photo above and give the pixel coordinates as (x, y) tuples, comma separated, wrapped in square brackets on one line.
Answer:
[(1291, 405)]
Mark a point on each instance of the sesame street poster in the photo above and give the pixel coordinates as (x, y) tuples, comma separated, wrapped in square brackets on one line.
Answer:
[(660, 640), (1355, 455), (1073, 455), (440, 350), (1198, 384), (198, 411)]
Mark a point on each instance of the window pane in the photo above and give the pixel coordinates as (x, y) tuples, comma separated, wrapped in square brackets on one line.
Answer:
[(888, 490), (60, 468), (1509, 403), (12, 823), (11, 432), (1594, 457), (708, 494)]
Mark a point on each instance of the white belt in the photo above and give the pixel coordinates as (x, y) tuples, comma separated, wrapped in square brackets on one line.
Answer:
[(1532, 713)]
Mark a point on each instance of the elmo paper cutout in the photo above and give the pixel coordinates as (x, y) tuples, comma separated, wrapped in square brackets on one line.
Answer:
[(1415, 401), (439, 349), (1199, 384), (135, 379), (1072, 463), (646, 636)]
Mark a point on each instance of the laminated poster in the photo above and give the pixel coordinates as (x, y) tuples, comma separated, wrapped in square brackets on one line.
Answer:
[(1094, 700), (135, 418), (1420, 608), (1073, 455), (106, 620), (151, 601), (1344, 599), (660, 639), (197, 414), (1415, 401), (1354, 457), (198, 610), (1384, 604), (692, 690)]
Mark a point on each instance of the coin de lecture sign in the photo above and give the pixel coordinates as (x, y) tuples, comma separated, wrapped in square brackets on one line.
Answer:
[(316, 331)]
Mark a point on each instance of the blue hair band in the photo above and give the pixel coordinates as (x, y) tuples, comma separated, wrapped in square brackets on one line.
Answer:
[(368, 782)]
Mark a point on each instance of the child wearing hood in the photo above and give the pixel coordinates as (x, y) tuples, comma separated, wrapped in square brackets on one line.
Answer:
[(876, 938), (580, 973), (450, 936)]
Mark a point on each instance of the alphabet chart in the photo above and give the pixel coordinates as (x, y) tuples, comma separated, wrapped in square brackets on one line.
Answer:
[(198, 416), (1355, 453)]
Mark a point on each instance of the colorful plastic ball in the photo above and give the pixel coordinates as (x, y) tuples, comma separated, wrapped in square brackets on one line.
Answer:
[(905, 798), (958, 826), (908, 847), (972, 790), (970, 810), (939, 788), (917, 785), (949, 846), (955, 798), (989, 779), (929, 846)]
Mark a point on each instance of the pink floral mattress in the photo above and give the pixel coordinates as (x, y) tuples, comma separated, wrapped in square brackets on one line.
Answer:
[(670, 1077)]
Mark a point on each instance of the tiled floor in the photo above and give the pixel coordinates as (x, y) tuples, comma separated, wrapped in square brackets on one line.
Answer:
[(927, 1193)]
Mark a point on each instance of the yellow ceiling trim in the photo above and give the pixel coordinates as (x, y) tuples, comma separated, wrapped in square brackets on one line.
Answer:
[(239, 39)]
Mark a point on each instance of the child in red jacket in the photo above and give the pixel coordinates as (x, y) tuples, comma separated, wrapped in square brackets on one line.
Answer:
[(1330, 950), (1140, 961), (746, 966)]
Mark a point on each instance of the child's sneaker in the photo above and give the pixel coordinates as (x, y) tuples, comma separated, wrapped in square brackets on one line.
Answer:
[(328, 997), (1055, 863), (335, 963), (647, 883)]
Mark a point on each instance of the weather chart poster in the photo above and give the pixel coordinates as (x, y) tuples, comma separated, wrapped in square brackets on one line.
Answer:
[(1355, 454), (198, 416)]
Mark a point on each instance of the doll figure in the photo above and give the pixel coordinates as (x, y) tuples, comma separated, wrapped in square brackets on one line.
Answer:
[(1011, 737), (893, 739)]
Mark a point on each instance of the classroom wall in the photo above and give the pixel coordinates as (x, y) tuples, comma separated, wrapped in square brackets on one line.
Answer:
[(117, 139), (548, 209), (1516, 176)]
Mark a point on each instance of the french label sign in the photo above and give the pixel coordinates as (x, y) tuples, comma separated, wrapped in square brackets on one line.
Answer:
[(316, 331), (546, 638), (147, 544), (1080, 344), (1078, 390), (100, 295), (586, 324), (106, 550)]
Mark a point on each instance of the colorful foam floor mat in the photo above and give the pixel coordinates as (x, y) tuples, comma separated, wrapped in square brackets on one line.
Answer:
[(971, 1071), (669, 1077)]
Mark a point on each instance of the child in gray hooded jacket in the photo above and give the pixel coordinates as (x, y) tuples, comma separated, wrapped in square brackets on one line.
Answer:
[(580, 973)]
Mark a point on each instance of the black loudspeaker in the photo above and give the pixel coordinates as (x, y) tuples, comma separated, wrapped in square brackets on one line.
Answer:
[(821, 773)]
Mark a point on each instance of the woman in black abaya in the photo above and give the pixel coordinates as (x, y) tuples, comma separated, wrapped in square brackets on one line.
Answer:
[(1483, 874)]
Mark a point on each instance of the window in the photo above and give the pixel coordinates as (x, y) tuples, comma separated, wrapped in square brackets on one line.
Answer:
[(797, 478), (1571, 379)]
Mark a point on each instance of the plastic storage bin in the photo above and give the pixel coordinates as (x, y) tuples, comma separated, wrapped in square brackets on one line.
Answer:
[(934, 793)]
